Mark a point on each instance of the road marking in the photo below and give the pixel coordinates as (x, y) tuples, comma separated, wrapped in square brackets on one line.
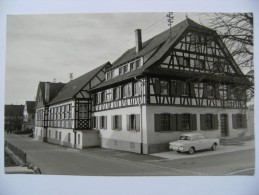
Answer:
[(242, 170)]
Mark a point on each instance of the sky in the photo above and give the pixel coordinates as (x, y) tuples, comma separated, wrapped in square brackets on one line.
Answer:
[(44, 47)]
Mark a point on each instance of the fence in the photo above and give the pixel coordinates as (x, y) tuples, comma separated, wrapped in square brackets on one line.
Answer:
[(17, 151)]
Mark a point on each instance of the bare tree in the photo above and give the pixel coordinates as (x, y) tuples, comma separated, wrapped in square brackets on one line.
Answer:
[(236, 31)]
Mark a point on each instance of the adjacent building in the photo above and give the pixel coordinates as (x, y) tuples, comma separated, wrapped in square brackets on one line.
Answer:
[(181, 80), (13, 117), (65, 117)]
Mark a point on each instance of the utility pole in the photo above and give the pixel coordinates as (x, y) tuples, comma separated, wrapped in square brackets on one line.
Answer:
[(71, 76), (170, 20)]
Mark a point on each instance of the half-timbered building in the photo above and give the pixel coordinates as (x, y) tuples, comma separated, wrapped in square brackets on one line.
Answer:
[(182, 80), (68, 119)]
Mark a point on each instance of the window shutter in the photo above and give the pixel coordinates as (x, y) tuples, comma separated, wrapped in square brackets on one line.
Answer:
[(234, 121), (192, 92), (215, 122), (100, 122), (92, 122), (137, 122), (96, 122), (128, 122), (157, 86), (105, 122), (179, 122), (120, 92), (244, 121), (202, 121), (173, 122), (217, 91), (179, 88), (173, 88), (193, 120), (205, 92), (113, 123), (157, 122), (120, 122)]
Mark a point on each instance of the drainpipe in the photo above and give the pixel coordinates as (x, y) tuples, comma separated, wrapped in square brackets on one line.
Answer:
[(74, 138), (140, 106)]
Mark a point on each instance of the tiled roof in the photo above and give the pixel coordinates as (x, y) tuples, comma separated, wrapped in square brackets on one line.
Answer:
[(30, 106), (162, 41), (73, 87), (54, 88), (14, 110)]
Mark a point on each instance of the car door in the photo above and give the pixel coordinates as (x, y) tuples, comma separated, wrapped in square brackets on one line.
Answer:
[(196, 142), (202, 142)]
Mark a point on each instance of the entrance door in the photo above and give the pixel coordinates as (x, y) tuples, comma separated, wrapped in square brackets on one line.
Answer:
[(224, 125)]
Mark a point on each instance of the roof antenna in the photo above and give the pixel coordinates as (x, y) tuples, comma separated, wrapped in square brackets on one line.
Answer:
[(170, 21), (71, 76)]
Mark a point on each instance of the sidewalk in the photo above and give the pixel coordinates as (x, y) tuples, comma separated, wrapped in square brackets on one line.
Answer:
[(173, 155), (169, 155)]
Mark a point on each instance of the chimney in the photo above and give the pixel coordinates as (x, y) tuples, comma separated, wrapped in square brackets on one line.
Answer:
[(47, 92), (138, 40)]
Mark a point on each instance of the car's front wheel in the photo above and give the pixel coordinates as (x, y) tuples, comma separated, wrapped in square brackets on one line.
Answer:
[(191, 150), (214, 147)]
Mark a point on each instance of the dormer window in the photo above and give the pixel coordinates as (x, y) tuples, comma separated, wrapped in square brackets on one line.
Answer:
[(137, 62), (131, 66), (125, 68), (120, 70)]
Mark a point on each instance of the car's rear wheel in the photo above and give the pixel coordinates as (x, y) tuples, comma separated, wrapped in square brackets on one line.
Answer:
[(214, 147), (191, 150)]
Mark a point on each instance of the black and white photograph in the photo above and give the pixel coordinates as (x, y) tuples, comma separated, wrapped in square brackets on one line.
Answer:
[(129, 95)]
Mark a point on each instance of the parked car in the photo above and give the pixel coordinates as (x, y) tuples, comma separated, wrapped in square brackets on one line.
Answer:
[(191, 142)]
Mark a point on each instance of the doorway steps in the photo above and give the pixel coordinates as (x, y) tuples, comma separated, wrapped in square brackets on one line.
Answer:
[(226, 141)]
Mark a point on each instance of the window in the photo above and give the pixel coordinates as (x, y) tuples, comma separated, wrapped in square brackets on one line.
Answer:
[(56, 135), (103, 122), (49, 134), (186, 121), (68, 137), (165, 122), (209, 121), (175, 122), (182, 61), (120, 70), (59, 135), (83, 111), (137, 62), (125, 68), (133, 122), (127, 90), (164, 87), (239, 121), (185, 89), (136, 89), (116, 122), (200, 64), (131, 66), (116, 93), (218, 68), (210, 90), (94, 122)]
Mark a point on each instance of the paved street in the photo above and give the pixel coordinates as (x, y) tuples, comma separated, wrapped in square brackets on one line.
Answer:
[(57, 160)]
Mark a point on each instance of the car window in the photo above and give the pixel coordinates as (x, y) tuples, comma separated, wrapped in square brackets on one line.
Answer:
[(184, 137)]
